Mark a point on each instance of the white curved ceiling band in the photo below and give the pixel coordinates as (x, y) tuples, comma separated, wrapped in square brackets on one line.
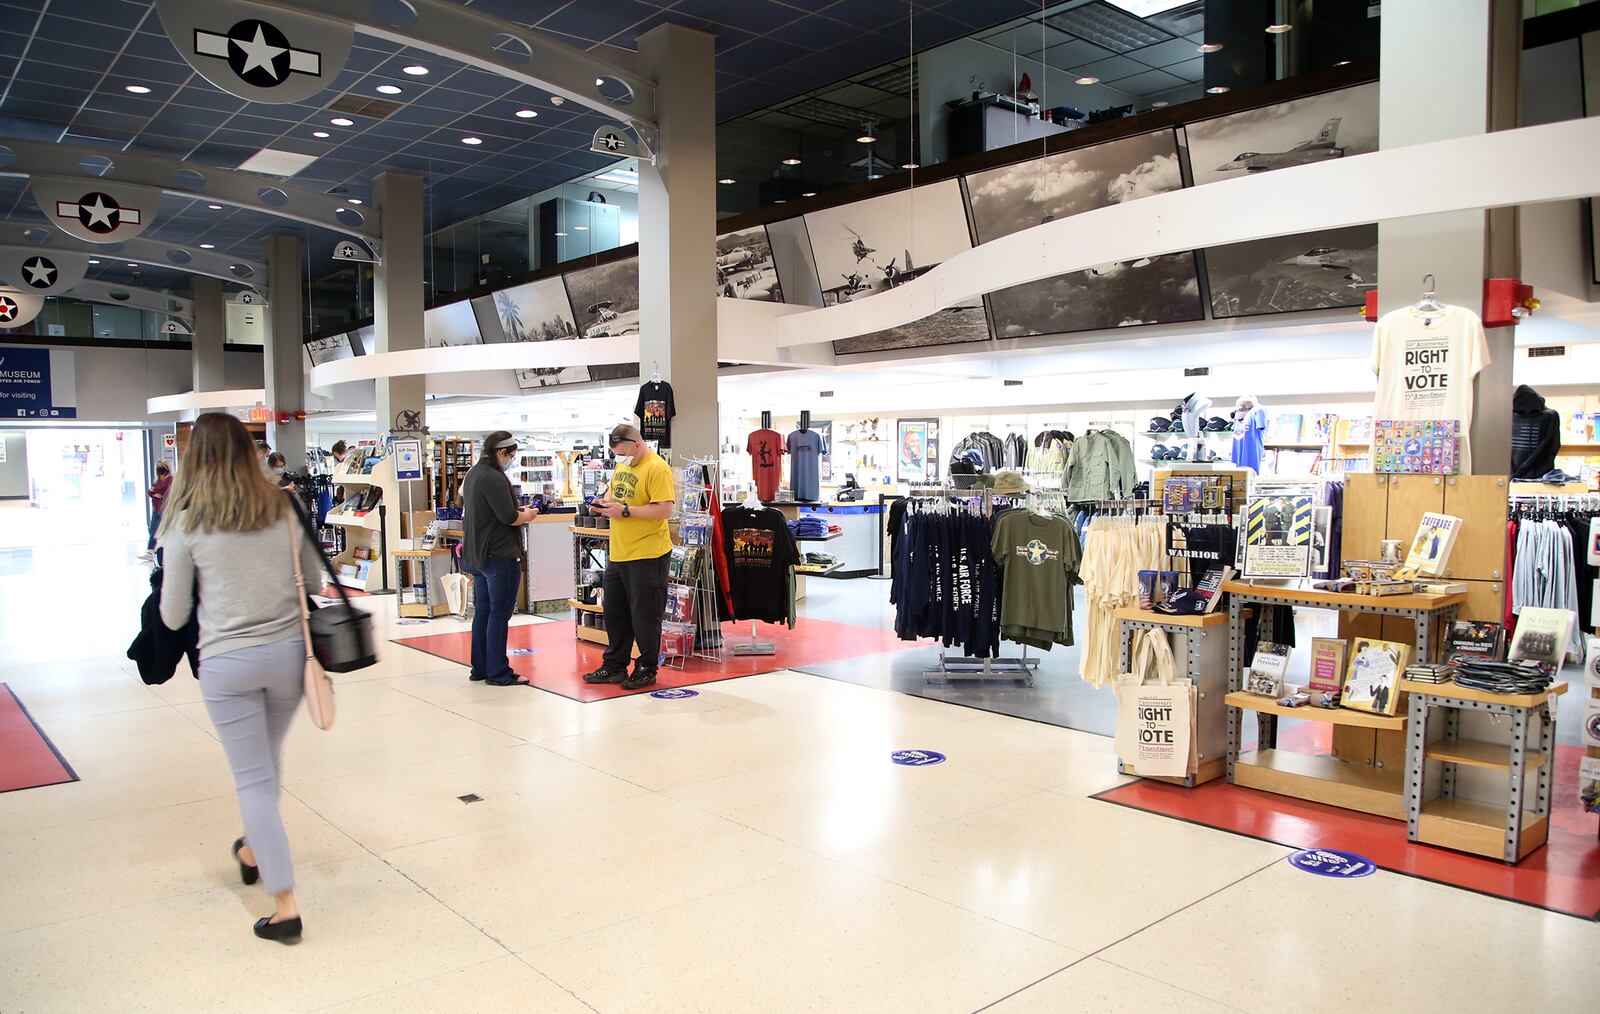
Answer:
[(1469, 173), (147, 252), (142, 299), (201, 401), (477, 359), (220, 186)]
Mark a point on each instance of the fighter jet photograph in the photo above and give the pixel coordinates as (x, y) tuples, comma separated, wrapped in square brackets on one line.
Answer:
[(1322, 257), (1318, 149), (745, 267), (1288, 273)]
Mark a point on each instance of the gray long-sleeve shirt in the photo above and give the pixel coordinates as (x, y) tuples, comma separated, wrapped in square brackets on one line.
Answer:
[(247, 590)]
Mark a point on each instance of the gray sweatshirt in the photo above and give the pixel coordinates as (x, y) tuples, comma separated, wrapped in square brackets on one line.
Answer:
[(247, 590)]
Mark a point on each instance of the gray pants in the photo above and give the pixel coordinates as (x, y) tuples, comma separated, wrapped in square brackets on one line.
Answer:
[(251, 695)]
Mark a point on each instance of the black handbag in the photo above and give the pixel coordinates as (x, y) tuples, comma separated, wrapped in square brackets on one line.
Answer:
[(341, 634)]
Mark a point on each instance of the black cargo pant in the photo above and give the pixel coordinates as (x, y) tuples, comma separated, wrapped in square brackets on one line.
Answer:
[(635, 600)]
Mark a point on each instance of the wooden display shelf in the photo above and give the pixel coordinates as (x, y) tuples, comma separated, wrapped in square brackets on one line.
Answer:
[(584, 607), (1479, 828), (819, 538), (591, 634), (1311, 713), (818, 571), (349, 520), (593, 533), (1461, 693), (1479, 754), (1578, 449), (1217, 619), (1348, 600), (1324, 780)]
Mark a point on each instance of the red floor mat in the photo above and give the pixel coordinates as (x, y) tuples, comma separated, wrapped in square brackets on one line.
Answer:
[(1564, 876), (560, 659), (27, 757)]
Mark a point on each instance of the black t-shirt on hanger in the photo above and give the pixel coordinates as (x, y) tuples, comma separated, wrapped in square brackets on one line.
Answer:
[(655, 410), (761, 551)]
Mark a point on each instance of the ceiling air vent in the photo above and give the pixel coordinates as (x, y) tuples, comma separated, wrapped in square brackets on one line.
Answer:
[(363, 105), (1013, 383), (1543, 351), (1197, 371)]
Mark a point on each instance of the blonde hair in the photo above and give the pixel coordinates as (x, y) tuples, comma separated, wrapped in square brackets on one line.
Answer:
[(221, 486)]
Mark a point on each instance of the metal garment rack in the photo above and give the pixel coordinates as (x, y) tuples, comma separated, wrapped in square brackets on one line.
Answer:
[(966, 667), (707, 614)]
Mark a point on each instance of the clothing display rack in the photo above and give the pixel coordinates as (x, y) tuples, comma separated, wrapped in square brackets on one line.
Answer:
[(699, 487)]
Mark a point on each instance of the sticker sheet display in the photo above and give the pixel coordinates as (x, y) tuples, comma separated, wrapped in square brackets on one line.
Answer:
[(1416, 446)]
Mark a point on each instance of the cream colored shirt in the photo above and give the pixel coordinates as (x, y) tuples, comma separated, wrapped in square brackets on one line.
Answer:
[(1425, 365)]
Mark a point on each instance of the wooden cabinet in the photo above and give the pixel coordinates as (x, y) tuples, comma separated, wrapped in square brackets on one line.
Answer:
[(1480, 550), (1366, 512), (1410, 497), (1486, 600)]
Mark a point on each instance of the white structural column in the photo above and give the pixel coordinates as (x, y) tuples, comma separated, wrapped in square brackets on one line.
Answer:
[(678, 234), (397, 313), (1446, 77), (210, 332), (285, 351)]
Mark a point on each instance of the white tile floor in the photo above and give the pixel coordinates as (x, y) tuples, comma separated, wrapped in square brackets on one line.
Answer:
[(750, 850)]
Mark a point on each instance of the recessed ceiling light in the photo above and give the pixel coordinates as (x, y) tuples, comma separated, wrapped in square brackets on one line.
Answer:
[(1162, 104), (208, 246), (1342, 63), (780, 201), (874, 176), (93, 261), (599, 82), (809, 193), (132, 265), (472, 140), (214, 207), (866, 139), (525, 114), (1088, 79), (726, 180), (320, 134), (1278, 29), (580, 228), (1210, 47), (137, 89), (415, 70), (389, 89), (339, 210), (355, 200), (1217, 90), (910, 165), (342, 121), (560, 234), (791, 161)]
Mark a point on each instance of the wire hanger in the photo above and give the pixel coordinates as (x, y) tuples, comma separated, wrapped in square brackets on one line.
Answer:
[(655, 369), (1429, 303)]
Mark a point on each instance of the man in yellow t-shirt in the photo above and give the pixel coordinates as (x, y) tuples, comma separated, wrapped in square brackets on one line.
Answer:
[(639, 502)]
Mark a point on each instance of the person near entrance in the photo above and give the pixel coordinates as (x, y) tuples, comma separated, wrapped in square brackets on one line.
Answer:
[(158, 502), (491, 554), (339, 451), (639, 502)]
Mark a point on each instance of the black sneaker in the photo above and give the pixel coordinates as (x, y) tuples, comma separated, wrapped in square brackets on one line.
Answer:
[(474, 677), (639, 679), (605, 675)]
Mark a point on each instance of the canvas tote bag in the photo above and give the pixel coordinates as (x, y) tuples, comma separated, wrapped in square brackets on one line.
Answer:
[(1155, 712), (319, 685)]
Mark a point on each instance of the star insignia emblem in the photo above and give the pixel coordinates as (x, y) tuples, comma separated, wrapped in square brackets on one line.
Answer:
[(39, 272), (98, 212), (612, 142), (8, 308), (258, 53)]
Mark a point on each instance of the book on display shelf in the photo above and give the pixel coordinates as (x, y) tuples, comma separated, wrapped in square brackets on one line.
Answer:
[(1542, 635), (1327, 667), (1267, 669), (1285, 428), (1479, 639), (1372, 683), (1430, 548)]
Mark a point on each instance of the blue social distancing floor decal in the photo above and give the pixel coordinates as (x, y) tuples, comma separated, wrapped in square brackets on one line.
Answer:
[(1333, 863), (513, 652), (675, 694), (917, 758)]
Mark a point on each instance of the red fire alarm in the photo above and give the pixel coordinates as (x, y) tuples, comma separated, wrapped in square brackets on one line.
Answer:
[(1506, 301), (1370, 311)]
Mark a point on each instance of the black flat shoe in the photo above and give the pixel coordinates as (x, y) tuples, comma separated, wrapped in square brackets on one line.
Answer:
[(286, 932), (247, 873)]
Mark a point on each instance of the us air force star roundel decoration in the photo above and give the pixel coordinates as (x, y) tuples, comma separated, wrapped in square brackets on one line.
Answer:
[(9, 309), (100, 211), (42, 272), (39, 272), (255, 52), (18, 308)]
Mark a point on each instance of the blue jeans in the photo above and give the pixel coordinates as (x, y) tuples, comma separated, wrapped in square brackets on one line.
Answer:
[(494, 595), (155, 522)]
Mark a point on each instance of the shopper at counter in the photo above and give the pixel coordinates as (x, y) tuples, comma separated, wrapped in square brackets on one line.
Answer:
[(638, 503), (491, 554), (340, 450), (158, 502)]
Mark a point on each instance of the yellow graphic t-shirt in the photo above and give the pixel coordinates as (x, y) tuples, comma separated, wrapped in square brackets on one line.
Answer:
[(636, 485)]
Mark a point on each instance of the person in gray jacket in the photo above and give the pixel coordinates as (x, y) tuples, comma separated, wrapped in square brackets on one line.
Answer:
[(230, 531)]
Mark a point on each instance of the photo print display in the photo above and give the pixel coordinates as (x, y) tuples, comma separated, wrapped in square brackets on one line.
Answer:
[(746, 268), (448, 325), (1149, 290), (877, 244), (538, 312), (1311, 271), (605, 303), (918, 451)]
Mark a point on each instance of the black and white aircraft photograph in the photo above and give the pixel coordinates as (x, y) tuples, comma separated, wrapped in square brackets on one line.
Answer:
[(1305, 131), (1312, 271), (745, 268)]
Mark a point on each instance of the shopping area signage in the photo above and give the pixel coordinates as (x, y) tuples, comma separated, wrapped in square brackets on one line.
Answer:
[(27, 387), (1333, 863), (917, 758)]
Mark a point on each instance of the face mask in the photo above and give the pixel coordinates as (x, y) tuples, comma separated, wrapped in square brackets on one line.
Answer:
[(277, 471)]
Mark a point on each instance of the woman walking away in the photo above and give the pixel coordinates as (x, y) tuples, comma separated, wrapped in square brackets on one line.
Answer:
[(158, 502), (228, 528)]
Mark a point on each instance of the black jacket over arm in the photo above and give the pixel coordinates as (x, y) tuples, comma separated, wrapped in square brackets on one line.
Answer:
[(157, 649)]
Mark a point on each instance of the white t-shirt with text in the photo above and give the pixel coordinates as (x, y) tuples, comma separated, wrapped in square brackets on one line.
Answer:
[(1425, 364)]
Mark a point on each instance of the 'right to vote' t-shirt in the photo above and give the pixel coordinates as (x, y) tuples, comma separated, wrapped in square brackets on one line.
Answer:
[(765, 448), (1425, 364)]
